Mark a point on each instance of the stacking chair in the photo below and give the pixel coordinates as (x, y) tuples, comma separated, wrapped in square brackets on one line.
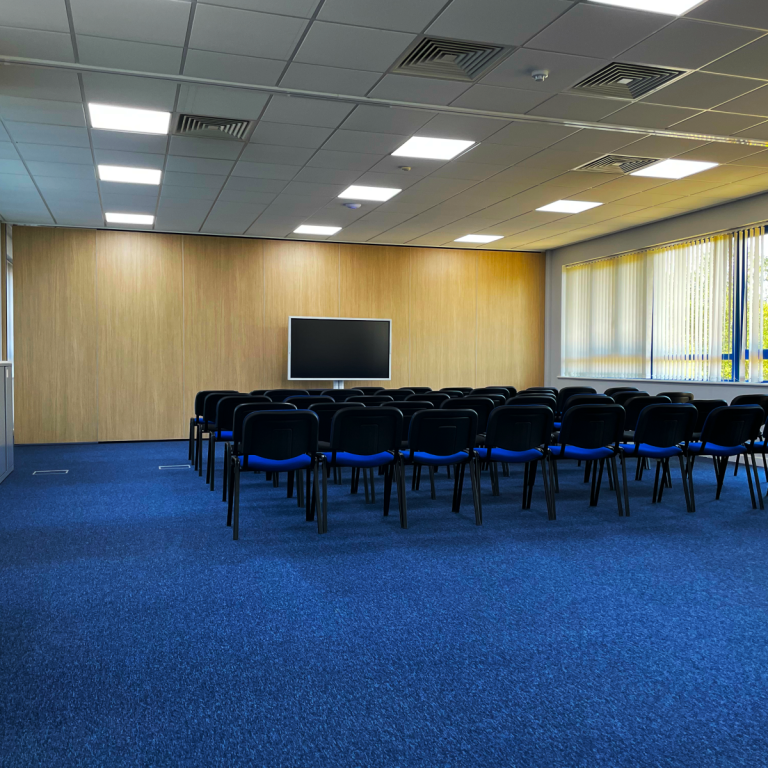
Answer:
[(703, 409), (368, 438), (441, 438), (316, 391), (418, 390), (482, 391), (553, 390), (679, 397), (280, 442), (279, 395), (371, 400), (221, 429), (660, 431), (729, 431), (762, 401), (581, 399), (207, 423), (482, 406), (454, 394), (232, 447), (302, 402), (436, 398), (533, 398), (761, 446), (624, 396), (566, 392), (398, 395), (258, 392), (197, 419), (325, 413), (611, 391), (463, 390), (512, 390), (371, 390), (408, 409), (591, 433), (340, 395), (633, 408), (519, 434)]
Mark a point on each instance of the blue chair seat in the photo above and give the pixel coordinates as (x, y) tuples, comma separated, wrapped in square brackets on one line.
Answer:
[(344, 459), (651, 451), (511, 457), (716, 450), (431, 459), (224, 435), (580, 454), (200, 419), (760, 443), (274, 465), (558, 424)]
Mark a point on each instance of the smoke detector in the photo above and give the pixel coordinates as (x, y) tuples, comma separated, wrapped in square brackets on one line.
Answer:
[(353, 206), (540, 75)]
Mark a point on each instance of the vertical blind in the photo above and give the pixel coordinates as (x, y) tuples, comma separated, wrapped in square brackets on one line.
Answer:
[(693, 311)]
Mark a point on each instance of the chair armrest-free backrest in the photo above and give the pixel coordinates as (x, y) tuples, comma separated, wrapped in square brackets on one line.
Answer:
[(280, 435), (442, 432), (366, 431)]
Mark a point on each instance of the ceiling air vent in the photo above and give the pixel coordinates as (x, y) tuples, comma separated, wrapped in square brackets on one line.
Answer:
[(450, 59), (213, 127), (627, 81), (618, 164)]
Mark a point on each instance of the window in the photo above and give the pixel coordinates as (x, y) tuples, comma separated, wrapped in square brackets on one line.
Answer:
[(693, 311)]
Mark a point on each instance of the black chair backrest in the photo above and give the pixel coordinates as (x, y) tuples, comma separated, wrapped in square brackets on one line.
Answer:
[(566, 392), (316, 391), (304, 401), (257, 392), (592, 426), (480, 391), (325, 412), (225, 408), (371, 390), (244, 410), (525, 398), (408, 408), (512, 390), (366, 431), (624, 396), (442, 432), (553, 390), (398, 395), (370, 400), (463, 390), (761, 400), (454, 394), (279, 395), (340, 395), (635, 405), (732, 425), (209, 406), (200, 398), (595, 399), (679, 397), (611, 391), (279, 435), (703, 409), (666, 424), (418, 390), (519, 427), (482, 406), (436, 398)]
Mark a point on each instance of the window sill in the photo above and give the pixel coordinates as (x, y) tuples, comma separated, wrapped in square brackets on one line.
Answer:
[(666, 381)]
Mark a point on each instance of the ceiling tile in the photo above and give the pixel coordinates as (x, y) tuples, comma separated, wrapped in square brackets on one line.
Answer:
[(746, 13), (249, 184), (130, 159), (317, 112), (265, 170), (181, 215), (498, 99), (400, 15), (284, 134), (76, 214), (758, 159), (750, 61), (496, 154), (118, 189), (148, 21), (759, 132), (362, 141), (12, 166), (221, 102), (36, 44), (56, 184), (125, 54), (525, 134), (128, 203), (302, 8), (8, 150), (309, 189), (404, 122), (353, 161), (129, 91), (649, 116), (55, 154), (497, 21), (188, 193), (600, 142), (275, 155), (754, 103), (326, 176), (199, 165), (245, 196), (658, 146), (423, 90), (722, 153), (475, 171), (34, 83), (717, 123), (32, 133), (129, 142), (222, 149), (231, 218), (689, 44), (41, 111), (37, 14), (60, 170), (14, 184), (463, 127), (193, 180), (232, 68), (575, 107), (310, 77), (393, 166), (398, 180), (596, 30), (337, 45), (702, 90)]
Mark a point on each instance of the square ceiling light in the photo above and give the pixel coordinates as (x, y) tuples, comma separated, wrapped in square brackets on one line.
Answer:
[(432, 149), (311, 229), (107, 117), (674, 169), (129, 175), (130, 218), (568, 206), (668, 7), (478, 238), (377, 194)]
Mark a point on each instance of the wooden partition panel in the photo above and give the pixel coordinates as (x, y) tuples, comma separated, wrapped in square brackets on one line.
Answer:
[(299, 279), (374, 282), (223, 315), (510, 319), (443, 318), (3, 297), (140, 336), (54, 273)]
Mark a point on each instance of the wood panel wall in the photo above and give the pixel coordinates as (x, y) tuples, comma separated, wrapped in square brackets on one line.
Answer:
[(3, 297), (116, 332)]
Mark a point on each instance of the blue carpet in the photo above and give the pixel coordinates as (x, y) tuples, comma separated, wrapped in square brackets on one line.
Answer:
[(135, 632)]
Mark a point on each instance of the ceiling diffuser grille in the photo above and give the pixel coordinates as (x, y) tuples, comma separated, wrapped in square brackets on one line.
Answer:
[(450, 59), (627, 81), (618, 164), (213, 127)]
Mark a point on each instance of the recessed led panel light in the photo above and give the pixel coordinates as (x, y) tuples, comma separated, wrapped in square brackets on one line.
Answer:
[(674, 169), (568, 206), (668, 7), (106, 117), (130, 218), (478, 238), (432, 149), (379, 194), (310, 229), (129, 175)]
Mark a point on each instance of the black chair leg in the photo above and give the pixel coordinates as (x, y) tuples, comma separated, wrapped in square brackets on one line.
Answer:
[(587, 471), (291, 476), (557, 479), (230, 501), (532, 478), (757, 479), (432, 494), (402, 503), (656, 484), (308, 493), (365, 483), (736, 468), (552, 488), (685, 485), (224, 473), (373, 486), (191, 435), (212, 459), (456, 477), (300, 487), (721, 477), (475, 480), (236, 509), (325, 495), (749, 480), (388, 472), (690, 462), (613, 473)]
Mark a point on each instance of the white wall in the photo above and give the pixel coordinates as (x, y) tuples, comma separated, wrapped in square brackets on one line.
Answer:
[(742, 213)]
